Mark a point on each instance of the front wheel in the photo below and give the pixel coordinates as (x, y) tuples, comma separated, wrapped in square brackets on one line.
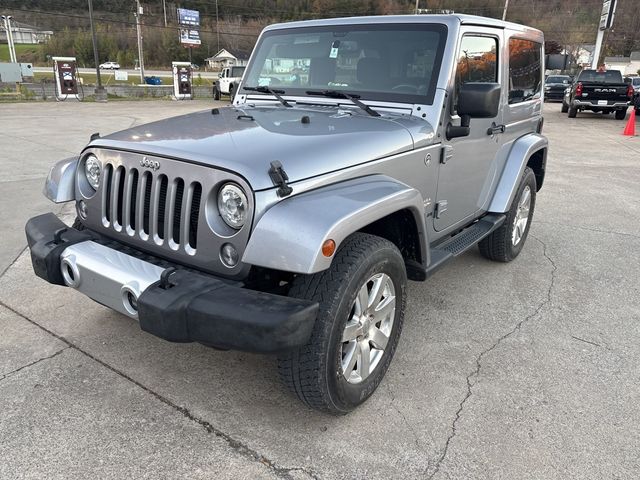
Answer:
[(362, 302), (505, 243), (565, 107)]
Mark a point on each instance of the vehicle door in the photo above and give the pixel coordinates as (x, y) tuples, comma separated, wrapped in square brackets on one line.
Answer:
[(467, 167), (524, 80), (224, 81)]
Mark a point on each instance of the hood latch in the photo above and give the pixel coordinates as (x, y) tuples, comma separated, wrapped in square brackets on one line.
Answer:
[(280, 178)]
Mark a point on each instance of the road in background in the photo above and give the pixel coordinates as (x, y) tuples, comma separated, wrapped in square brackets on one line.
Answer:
[(519, 370)]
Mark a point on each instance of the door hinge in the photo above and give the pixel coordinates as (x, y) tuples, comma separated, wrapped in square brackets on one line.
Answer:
[(441, 207), (447, 154)]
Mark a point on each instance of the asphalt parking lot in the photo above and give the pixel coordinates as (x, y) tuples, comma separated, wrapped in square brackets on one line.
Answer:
[(525, 370)]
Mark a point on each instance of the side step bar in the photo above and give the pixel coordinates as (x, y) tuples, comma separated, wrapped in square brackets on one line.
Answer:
[(463, 241)]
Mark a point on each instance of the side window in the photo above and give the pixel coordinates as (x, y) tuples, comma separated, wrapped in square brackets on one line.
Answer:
[(525, 72), (477, 61)]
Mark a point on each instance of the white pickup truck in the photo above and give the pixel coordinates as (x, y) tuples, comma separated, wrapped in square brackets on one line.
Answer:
[(228, 79)]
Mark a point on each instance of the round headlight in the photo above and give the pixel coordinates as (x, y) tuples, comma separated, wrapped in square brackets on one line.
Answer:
[(233, 205), (92, 170)]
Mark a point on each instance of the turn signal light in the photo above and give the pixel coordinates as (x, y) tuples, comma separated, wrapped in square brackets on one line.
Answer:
[(328, 248)]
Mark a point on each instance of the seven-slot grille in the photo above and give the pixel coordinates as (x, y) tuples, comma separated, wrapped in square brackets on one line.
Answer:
[(152, 206)]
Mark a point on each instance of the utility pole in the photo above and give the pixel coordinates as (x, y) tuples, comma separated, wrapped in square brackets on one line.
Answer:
[(217, 28), (504, 12), (139, 30), (101, 95), (417, 4), (164, 9)]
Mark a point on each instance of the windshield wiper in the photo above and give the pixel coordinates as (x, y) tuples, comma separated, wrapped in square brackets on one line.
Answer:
[(349, 96), (274, 92)]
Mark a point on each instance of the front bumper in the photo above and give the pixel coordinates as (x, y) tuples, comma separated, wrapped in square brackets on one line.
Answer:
[(554, 94), (174, 304)]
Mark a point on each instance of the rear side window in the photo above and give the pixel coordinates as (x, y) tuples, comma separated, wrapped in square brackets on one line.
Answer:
[(525, 72)]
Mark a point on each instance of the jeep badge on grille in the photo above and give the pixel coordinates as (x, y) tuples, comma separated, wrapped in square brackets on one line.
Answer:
[(152, 164)]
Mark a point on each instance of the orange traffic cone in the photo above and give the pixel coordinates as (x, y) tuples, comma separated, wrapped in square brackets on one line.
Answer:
[(630, 129)]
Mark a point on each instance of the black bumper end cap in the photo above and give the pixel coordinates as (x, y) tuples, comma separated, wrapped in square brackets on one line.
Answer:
[(47, 237), (195, 308)]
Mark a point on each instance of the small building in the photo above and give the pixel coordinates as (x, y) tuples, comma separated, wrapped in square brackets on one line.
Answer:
[(626, 65), (23, 33), (581, 54), (227, 58)]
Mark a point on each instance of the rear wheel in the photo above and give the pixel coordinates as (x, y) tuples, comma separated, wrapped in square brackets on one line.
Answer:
[(231, 94), (573, 111), (506, 242), (362, 302), (621, 114), (216, 93)]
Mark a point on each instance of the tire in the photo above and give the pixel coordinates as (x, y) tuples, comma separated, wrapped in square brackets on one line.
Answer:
[(573, 111), (621, 114), (216, 93), (231, 94), (314, 372), (501, 245), (565, 108)]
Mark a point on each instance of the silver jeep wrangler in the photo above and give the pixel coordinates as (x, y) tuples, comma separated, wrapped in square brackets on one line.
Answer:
[(359, 153)]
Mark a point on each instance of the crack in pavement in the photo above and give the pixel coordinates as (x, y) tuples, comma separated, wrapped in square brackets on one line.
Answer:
[(13, 372), (401, 413), (13, 261), (240, 448), (475, 373)]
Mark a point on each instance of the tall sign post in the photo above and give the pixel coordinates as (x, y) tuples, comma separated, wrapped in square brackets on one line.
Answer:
[(189, 23), (606, 21)]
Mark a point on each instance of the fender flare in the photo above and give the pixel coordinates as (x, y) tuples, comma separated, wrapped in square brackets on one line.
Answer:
[(59, 187), (289, 236), (521, 151)]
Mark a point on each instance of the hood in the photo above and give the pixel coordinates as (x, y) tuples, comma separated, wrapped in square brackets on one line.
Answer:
[(246, 140)]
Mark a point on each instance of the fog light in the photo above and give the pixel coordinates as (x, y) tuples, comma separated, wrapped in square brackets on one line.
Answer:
[(82, 209), (133, 301), (229, 255)]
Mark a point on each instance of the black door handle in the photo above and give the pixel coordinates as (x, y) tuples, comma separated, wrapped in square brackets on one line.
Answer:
[(493, 129)]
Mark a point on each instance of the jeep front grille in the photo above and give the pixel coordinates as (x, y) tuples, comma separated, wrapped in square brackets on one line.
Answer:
[(170, 210), (152, 206)]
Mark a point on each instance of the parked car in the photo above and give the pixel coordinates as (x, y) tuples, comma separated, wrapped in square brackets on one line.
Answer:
[(290, 222), (555, 85), (195, 67), (634, 82), (598, 91), (153, 80), (228, 78), (109, 66)]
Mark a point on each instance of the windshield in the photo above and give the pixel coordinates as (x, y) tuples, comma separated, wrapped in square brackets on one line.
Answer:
[(635, 82), (237, 71), (593, 76), (397, 62), (557, 79)]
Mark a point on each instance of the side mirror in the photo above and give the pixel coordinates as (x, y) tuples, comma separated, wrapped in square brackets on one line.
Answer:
[(475, 100)]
